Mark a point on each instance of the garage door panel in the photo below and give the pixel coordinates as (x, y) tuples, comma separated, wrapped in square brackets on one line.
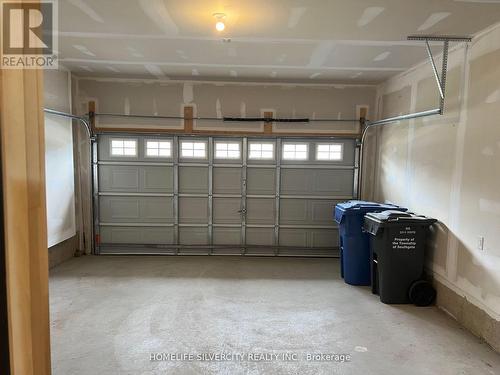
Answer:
[(193, 180), (261, 181), (311, 238), (119, 209), (332, 182), (260, 211), (118, 178), (307, 212), (227, 180), (317, 182), (226, 210), (193, 236), (136, 209), (157, 209), (260, 236), (294, 211), (293, 237), (124, 178), (137, 235), (322, 212), (324, 238), (193, 210), (227, 236), (157, 179), (295, 181)]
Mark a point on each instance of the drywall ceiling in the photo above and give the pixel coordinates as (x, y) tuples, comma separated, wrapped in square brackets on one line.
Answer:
[(353, 41)]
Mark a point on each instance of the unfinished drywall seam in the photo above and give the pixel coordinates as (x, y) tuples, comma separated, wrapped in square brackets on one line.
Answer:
[(243, 110), (187, 93), (455, 194), (218, 109)]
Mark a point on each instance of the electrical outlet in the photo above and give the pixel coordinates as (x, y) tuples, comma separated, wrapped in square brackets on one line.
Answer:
[(480, 243)]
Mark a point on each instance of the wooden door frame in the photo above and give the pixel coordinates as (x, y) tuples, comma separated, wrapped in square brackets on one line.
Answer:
[(24, 220)]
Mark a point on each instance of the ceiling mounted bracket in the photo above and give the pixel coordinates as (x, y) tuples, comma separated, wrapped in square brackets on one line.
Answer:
[(446, 39)]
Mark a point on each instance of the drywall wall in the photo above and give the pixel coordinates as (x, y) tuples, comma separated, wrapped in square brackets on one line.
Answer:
[(217, 99), (447, 166), (59, 169)]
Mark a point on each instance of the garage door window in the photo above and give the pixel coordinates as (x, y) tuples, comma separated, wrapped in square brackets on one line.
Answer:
[(158, 149), (226, 150), (123, 147), (261, 151), (295, 151), (194, 150), (332, 151)]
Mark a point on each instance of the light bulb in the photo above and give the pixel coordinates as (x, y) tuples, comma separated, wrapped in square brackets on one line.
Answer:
[(220, 26)]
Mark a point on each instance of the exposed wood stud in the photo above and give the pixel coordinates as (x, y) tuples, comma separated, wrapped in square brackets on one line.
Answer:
[(188, 119), (268, 126), (362, 119), (92, 115)]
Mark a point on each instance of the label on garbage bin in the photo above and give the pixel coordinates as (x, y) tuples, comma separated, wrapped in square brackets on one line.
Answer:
[(405, 240)]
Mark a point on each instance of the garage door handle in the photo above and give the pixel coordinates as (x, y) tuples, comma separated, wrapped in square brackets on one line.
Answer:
[(242, 211)]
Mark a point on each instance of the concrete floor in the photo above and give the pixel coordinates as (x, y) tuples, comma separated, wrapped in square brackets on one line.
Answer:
[(109, 314)]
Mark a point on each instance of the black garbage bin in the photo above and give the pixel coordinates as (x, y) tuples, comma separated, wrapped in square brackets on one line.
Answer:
[(398, 241)]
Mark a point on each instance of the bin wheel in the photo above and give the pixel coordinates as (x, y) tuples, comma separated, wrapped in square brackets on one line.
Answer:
[(422, 293)]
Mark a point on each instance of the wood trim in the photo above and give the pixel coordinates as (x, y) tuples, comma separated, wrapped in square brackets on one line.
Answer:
[(4, 326), (188, 119), (268, 126), (25, 222)]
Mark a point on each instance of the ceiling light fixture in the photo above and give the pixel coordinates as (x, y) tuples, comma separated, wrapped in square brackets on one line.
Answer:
[(219, 21)]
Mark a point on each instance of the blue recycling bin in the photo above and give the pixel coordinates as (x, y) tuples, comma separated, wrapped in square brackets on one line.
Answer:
[(353, 242)]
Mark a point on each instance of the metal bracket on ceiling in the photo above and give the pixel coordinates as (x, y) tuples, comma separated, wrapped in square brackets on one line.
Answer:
[(440, 81)]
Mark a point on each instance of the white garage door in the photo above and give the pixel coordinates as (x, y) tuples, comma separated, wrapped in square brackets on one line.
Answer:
[(220, 195)]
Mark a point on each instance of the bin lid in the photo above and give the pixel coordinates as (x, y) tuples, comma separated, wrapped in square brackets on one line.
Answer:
[(356, 207), (392, 217)]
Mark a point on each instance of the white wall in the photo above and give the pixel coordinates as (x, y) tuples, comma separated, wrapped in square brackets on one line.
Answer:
[(59, 168), (447, 166)]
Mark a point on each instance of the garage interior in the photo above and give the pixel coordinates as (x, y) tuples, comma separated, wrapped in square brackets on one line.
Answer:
[(183, 164)]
